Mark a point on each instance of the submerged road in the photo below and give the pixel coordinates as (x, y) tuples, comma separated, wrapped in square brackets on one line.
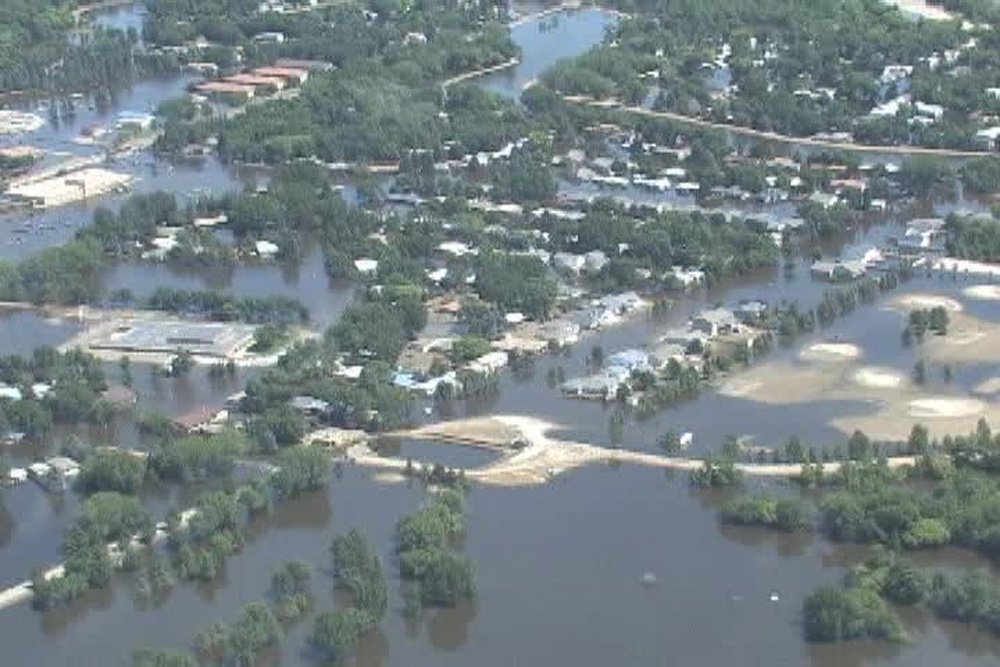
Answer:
[(24, 591)]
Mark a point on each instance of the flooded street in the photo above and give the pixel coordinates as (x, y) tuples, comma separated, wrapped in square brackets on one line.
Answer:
[(560, 568)]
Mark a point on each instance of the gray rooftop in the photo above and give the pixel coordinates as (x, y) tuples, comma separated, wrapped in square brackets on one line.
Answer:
[(205, 338)]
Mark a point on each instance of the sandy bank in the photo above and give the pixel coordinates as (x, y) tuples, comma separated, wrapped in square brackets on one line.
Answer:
[(913, 301), (830, 352), (983, 292), (544, 457), (875, 377)]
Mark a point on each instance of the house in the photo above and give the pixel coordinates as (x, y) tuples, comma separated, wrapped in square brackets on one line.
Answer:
[(923, 234), (490, 362), (366, 266), (750, 312), (270, 37), (262, 85), (309, 405), (626, 302), (291, 75), (601, 386), (824, 199), (266, 248), (568, 262), (894, 73), (437, 275), (198, 420), (594, 261), (130, 120), (308, 65), (687, 277), (716, 322), (988, 138), (630, 360), (561, 332), (684, 337), (227, 92), (234, 401), (602, 317), (457, 249), (9, 392), (838, 270)]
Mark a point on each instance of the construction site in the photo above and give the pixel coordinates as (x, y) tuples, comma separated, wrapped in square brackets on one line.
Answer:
[(49, 189)]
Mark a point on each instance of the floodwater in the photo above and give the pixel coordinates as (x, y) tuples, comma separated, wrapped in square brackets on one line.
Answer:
[(546, 597), (559, 567)]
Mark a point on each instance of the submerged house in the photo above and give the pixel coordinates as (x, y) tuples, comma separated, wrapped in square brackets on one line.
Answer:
[(716, 322), (923, 234)]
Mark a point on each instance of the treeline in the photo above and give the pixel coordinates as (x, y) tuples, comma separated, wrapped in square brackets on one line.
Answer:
[(973, 237), (358, 571), (228, 308), (860, 607), (199, 540), (434, 574)]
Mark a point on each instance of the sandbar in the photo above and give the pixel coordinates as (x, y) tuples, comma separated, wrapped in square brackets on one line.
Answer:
[(983, 292), (946, 407), (876, 377), (831, 352)]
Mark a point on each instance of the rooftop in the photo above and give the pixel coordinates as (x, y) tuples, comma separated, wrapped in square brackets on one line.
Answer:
[(214, 339)]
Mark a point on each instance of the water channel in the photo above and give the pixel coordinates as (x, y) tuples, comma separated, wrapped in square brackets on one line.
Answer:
[(570, 595)]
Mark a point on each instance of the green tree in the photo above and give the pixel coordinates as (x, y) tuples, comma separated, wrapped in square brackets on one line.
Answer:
[(161, 658), (112, 470)]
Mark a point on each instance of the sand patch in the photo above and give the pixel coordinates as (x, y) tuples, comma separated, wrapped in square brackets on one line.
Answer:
[(946, 407), (913, 301), (875, 377), (968, 340), (983, 292), (388, 477), (991, 386), (830, 352), (739, 387)]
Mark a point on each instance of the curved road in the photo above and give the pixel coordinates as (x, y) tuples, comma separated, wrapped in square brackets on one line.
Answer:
[(771, 136)]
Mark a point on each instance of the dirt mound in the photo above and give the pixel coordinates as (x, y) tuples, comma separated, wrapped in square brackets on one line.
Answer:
[(945, 407)]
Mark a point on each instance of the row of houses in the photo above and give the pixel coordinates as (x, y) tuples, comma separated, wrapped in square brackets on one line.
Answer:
[(263, 81)]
